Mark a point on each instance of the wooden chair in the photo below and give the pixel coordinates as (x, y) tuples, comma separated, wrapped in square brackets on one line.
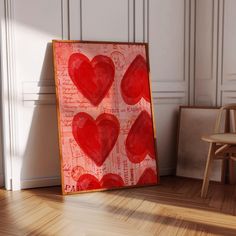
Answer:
[(222, 144)]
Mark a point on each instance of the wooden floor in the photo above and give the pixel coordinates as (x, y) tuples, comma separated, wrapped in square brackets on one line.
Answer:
[(172, 208)]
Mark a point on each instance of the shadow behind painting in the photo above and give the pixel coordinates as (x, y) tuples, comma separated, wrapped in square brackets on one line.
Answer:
[(41, 163)]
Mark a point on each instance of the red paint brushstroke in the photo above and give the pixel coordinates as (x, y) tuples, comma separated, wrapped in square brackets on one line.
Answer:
[(134, 84), (96, 137), (148, 177), (87, 182), (90, 182), (93, 79), (111, 181), (140, 139)]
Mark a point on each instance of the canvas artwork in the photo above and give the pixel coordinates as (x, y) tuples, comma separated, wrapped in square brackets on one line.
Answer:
[(195, 122), (104, 115)]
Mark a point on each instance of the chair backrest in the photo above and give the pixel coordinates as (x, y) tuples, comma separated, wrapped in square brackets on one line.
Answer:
[(230, 119)]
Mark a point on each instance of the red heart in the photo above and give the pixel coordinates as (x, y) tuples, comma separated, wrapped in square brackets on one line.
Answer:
[(96, 137), (148, 177), (89, 182), (93, 79), (135, 82), (111, 181), (140, 139)]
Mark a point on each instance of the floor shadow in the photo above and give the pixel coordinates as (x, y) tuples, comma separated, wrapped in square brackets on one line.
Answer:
[(165, 196)]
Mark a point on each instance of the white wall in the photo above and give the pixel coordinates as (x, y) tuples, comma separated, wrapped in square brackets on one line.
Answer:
[(206, 53), (191, 63)]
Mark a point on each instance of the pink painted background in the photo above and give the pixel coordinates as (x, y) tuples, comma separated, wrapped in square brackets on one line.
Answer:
[(77, 166)]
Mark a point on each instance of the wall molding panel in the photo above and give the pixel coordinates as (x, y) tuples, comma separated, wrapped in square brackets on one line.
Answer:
[(229, 37), (206, 52), (160, 54), (111, 21), (131, 21), (35, 93), (215, 52), (75, 21), (227, 52), (169, 100), (191, 52), (172, 50), (65, 19), (220, 51), (87, 24), (140, 15)]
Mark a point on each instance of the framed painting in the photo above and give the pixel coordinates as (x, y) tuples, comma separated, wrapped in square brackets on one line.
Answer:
[(105, 120), (194, 122)]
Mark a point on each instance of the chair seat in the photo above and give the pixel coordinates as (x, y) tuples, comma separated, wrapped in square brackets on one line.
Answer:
[(229, 138)]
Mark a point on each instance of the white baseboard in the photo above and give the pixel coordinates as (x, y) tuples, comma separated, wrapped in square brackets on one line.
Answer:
[(1, 180), (167, 171), (54, 181), (40, 182)]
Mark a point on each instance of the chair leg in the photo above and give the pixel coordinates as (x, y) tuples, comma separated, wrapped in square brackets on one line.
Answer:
[(206, 178)]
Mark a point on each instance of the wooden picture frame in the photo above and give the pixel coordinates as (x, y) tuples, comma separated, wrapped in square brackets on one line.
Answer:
[(195, 122), (106, 130)]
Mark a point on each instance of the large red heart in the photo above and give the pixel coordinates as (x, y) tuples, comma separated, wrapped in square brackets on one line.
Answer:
[(140, 139), (93, 79), (87, 182), (90, 182), (96, 137), (135, 82), (148, 177), (111, 181)]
